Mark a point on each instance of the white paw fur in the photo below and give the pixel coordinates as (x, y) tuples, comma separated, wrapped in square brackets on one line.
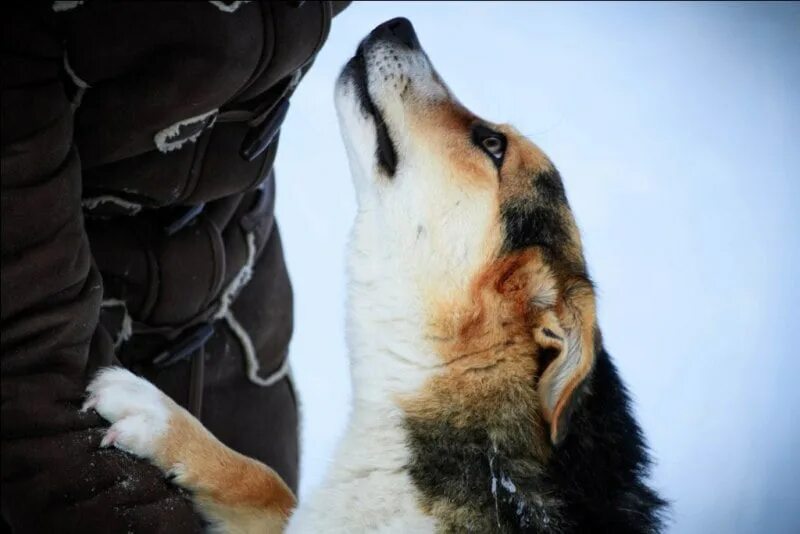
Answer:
[(139, 411)]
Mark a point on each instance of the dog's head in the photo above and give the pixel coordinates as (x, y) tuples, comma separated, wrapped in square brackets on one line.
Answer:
[(472, 217)]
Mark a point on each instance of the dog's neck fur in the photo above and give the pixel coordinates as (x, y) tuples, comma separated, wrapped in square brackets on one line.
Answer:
[(389, 358), (375, 470)]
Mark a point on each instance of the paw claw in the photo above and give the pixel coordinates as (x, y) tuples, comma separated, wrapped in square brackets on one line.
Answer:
[(89, 404), (109, 439), (138, 412)]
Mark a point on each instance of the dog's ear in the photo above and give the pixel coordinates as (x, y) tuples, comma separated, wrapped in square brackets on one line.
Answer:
[(565, 337)]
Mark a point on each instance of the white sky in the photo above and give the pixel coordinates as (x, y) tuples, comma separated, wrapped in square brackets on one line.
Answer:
[(676, 128)]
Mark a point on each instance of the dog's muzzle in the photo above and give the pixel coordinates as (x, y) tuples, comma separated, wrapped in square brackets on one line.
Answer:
[(380, 58), (397, 31)]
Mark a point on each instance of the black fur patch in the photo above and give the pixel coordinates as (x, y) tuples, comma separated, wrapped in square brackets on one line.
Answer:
[(532, 226), (539, 220), (385, 152), (594, 481)]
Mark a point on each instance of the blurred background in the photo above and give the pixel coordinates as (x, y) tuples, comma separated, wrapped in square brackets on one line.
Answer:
[(676, 128)]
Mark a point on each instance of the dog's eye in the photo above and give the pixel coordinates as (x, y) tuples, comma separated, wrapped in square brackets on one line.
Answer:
[(494, 146), (491, 142)]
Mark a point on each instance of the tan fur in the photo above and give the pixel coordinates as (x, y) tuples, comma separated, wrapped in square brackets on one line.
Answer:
[(522, 161), (517, 309), (576, 314), (489, 345), (237, 493), (445, 125), (494, 329), (240, 519)]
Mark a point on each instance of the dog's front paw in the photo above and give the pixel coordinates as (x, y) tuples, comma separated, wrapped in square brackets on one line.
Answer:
[(138, 410)]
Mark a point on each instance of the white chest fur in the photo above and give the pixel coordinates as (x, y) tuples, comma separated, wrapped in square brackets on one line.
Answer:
[(367, 488)]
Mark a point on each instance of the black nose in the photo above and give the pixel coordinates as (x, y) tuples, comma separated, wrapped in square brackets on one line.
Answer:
[(398, 30)]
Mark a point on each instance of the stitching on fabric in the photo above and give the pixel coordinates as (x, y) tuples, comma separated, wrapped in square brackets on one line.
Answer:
[(92, 203), (225, 312), (77, 80), (65, 5), (162, 141), (81, 84), (240, 280), (250, 355), (226, 8)]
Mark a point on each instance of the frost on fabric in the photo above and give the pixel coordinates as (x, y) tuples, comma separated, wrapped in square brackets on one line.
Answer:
[(126, 325)]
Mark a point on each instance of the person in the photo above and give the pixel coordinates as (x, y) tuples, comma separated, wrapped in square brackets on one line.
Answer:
[(138, 142)]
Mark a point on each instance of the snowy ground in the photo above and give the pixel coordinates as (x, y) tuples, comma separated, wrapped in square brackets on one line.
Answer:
[(676, 129)]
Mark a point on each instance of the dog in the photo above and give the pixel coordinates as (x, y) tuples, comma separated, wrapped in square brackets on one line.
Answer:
[(483, 399)]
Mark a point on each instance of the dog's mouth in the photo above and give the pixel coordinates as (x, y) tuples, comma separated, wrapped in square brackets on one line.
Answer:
[(386, 154), (386, 53)]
